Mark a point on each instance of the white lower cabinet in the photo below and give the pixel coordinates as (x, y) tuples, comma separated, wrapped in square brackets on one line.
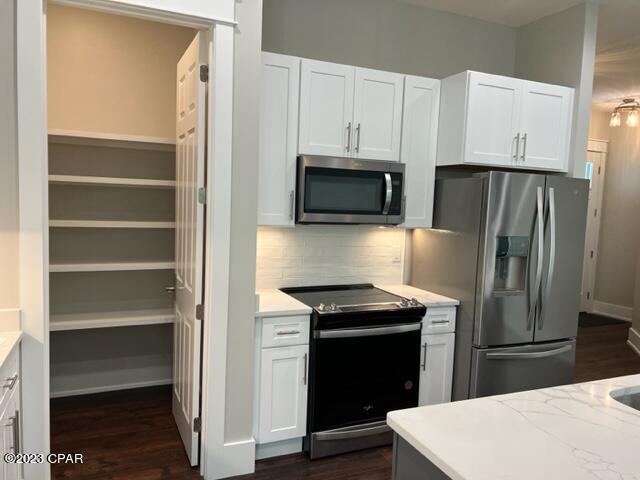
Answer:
[(10, 417), (436, 355), (283, 393)]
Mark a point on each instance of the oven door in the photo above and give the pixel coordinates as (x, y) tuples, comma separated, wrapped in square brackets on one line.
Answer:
[(344, 190), (358, 375)]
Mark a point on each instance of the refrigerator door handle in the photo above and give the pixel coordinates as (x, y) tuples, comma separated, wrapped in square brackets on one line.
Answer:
[(552, 254), (538, 283), (528, 355)]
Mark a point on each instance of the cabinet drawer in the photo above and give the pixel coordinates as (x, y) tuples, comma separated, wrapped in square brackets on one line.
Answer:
[(284, 331), (9, 376), (439, 320)]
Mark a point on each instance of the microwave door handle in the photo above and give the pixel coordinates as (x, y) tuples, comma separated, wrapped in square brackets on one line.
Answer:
[(389, 194)]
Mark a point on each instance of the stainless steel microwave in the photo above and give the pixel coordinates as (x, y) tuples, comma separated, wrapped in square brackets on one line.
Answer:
[(349, 190)]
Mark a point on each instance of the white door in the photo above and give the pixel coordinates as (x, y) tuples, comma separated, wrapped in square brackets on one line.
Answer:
[(418, 150), (190, 160), (436, 369), (493, 118), (595, 172), (377, 115), (283, 393), (278, 139), (326, 109), (545, 126)]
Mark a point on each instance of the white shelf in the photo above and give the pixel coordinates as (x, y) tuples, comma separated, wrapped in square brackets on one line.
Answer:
[(102, 139), (109, 224), (110, 181), (83, 321), (110, 267)]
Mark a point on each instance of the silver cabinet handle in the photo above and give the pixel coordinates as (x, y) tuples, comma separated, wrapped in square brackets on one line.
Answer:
[(288, 332), (540, 220), (424, 355), (388, 193), (304, 372), (291, 202), (170, 290), (12, 425), (358, 138), (439, 322), (517, 140), (524, 147), (10, 382), (348, 146), (552, 253), (528, 355)]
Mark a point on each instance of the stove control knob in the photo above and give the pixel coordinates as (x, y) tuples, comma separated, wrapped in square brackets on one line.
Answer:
[(404, 302), (322, 307), (414, 302), (333, 307)]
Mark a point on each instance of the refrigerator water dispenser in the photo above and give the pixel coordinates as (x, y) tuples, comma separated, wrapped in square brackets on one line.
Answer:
[(512, 253)]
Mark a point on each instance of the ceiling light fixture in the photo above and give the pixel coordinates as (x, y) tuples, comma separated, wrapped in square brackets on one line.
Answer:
[(629, 105)]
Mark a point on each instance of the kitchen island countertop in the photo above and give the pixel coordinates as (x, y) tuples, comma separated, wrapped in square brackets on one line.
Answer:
[(571, 432)]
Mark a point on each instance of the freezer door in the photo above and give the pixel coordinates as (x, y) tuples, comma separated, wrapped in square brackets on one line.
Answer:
[(514, 369), (565, 225), (509, 259)]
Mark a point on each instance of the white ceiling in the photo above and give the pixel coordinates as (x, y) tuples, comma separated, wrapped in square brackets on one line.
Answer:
[(513, 13)]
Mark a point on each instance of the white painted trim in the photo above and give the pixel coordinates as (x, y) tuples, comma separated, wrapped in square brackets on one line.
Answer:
[(144, 13), (276, 449), (634, 340), (600, 146), (619, 312), (110, 388), (10, 319)]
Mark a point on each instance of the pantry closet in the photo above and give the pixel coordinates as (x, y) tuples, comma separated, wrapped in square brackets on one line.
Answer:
[(112, 91)]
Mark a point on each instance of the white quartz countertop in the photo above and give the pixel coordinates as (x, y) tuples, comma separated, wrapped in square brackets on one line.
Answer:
[(8, 341), (572, 432), (428, 299), (274, 303)]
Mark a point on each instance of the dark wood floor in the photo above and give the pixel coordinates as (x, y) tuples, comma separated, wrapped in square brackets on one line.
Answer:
[(131, 435)]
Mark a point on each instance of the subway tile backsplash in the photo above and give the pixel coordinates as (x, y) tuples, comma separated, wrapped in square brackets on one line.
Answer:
[(327, 255)]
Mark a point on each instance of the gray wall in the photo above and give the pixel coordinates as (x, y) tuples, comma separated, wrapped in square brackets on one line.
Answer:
[(560, 49), (9, 221), (244, 215), (387, 35)]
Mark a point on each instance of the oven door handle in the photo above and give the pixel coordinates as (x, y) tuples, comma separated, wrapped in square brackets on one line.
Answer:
[(367, 332), (388, 193), (369, 430)]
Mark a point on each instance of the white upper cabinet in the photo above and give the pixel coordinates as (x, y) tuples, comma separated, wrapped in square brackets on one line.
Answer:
[(348, 111), (418, 151), (278, 139), (326, 109), (492, 120), (545, 121), (377, 114)]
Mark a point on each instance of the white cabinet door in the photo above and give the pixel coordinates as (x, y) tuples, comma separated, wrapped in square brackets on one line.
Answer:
[(436, 369), (418, 150), (326, 109), (278, 139), (545, 126), (377, 115), (10, 438), (283, 393), (493, 118)]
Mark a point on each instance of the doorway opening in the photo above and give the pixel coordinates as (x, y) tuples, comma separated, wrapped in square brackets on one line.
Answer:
[(126, 118)]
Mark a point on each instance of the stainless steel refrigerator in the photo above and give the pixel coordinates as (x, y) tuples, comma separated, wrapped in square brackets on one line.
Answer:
[(510, 247)]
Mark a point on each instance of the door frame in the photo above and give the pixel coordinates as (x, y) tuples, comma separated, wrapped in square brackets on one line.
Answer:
[(217, 458), (593, 235)]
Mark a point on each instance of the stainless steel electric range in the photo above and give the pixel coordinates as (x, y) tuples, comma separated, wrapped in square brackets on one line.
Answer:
[(364, 362)]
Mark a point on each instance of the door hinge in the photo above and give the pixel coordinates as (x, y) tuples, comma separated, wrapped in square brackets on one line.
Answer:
[(595, 212), (599, 170), (200, 312), (204, 73), (202, 195), (588, 295), (591, 253), (197, 425)]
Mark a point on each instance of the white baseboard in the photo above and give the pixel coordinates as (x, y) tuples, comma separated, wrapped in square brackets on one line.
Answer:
[(10, 319), (109, 388), (619, 312), (275, 449), (634, 340), (234, 458)]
